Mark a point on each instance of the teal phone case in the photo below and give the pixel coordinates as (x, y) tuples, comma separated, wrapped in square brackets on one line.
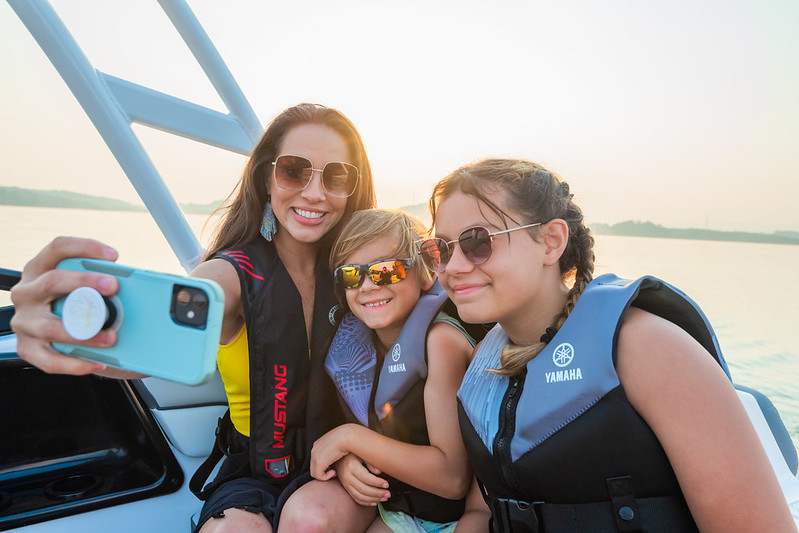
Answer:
[(150, 339)]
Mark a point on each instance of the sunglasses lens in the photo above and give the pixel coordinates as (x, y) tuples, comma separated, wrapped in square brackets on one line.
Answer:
[(349, 277), (292, 172), (435, 254), (387, 272), (475, 244), (340, 179)]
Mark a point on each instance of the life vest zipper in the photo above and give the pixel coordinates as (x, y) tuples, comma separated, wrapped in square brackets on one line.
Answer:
[(507, 428)]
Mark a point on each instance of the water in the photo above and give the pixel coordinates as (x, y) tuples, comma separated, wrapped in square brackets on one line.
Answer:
[(747, 290)]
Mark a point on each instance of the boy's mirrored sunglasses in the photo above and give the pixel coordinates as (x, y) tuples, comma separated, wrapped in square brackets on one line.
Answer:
[(475, 245), (383, 272), (294, 173)]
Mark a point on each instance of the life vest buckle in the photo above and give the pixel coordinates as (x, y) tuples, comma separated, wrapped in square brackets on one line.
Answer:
[(516, 515), (279, 467)]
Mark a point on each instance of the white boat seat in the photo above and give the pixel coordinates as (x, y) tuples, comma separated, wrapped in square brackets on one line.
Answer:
[(187, 414), (162, 394), (772, 433)]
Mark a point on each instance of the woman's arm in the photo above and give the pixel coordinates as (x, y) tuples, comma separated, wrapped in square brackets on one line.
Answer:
[(36, 326), (687, 400), (34, 322), (225, 275), (442, 467)]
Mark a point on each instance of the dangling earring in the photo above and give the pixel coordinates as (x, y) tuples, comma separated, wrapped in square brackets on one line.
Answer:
[(269, 224)]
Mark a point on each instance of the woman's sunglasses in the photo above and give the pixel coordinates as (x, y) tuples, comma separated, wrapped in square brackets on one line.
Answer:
[(383, 272), (294, 173), (475, 246)]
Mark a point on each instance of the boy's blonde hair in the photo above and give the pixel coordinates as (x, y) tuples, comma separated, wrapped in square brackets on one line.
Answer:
[(370, 224)]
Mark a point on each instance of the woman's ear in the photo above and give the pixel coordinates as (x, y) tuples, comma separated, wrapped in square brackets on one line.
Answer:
[(555, 235)]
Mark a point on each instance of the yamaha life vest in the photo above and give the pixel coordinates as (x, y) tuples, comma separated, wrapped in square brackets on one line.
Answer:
[(290, 395), (559, 447), (386, 394)]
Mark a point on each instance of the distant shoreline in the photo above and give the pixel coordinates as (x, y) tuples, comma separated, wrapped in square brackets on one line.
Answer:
[(70, 200), (634, 228)]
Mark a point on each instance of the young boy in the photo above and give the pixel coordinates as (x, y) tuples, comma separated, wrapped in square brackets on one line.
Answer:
[(397, 361)]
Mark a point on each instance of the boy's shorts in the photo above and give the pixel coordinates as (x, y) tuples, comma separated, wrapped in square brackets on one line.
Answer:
[(400, 522)]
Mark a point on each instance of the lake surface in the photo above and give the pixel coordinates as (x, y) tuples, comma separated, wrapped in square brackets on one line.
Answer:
[(747, 290)]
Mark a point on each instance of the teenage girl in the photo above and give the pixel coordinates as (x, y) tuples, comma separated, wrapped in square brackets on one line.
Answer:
[(594, 404)]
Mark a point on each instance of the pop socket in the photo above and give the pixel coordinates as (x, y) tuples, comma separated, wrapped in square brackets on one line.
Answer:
[(84, 313)]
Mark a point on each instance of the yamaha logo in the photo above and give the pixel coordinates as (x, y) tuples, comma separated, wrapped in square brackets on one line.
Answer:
[(331, 315), (396, 351), (563, 354)]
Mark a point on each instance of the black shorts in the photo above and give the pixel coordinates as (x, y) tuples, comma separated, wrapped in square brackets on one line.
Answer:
[(246, 493)]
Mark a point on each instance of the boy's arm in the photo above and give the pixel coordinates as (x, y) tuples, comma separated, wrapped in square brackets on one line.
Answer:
[(442, 467), (361, 482)]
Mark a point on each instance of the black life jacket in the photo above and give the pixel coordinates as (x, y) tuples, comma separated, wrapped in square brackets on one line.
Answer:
[(565, 450), (387, 394), (290, 395)]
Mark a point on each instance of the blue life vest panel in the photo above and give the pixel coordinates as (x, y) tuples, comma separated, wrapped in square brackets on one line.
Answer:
[(577, 367), (563, 433), (352, 359)]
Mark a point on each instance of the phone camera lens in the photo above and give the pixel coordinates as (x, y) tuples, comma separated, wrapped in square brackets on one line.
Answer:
[(183, 297), (190, 306), (200, 301)]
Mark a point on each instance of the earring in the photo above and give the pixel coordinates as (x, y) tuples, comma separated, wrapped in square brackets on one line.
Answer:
[(269, 224)]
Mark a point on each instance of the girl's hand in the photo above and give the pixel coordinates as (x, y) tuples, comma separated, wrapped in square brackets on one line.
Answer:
[(331, 447), (361, 481), (34, 322)]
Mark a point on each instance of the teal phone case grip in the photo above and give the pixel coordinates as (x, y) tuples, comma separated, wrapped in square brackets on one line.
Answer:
[(170, 324)]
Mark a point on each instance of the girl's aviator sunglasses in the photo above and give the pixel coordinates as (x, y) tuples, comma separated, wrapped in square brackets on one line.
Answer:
[(475, 245), (382, 272), (294, 173)]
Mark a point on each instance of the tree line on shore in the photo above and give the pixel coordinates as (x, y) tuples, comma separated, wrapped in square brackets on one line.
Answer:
[(629, 228)]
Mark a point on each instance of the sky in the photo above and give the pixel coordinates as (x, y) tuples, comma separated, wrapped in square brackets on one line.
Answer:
[(683, 113)]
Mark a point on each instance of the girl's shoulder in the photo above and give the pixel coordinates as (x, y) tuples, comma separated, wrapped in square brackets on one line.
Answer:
[(447, 340), (444, 318), (652, 352)]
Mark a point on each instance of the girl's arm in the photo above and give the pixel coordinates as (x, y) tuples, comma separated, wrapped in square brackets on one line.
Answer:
[(476, 515), (442, 467), (687, 400)]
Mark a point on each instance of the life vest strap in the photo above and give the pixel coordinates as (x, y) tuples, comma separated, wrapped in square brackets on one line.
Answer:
[(222, 448), (665, 513)]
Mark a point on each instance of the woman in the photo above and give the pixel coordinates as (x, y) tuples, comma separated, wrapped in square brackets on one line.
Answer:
[(306, 175), (593, 405)]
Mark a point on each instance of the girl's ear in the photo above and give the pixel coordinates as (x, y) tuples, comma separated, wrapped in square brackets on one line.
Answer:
[(555, 235), (429, 285)]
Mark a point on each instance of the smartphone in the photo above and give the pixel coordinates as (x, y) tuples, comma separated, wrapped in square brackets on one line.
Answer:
[(167, 326)]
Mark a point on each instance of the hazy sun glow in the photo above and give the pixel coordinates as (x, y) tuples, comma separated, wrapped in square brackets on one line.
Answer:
[(681, 113)]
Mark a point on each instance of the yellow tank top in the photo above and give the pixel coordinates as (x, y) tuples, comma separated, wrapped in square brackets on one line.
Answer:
[(233, 362)]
